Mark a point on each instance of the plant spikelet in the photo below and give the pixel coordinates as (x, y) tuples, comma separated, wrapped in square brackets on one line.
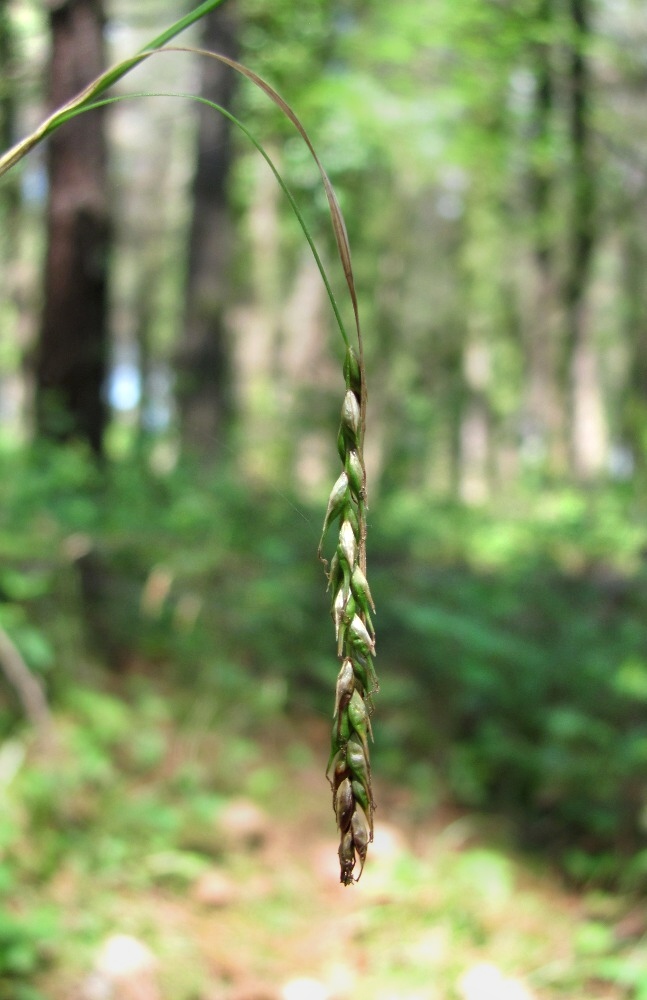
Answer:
[(349, 769)]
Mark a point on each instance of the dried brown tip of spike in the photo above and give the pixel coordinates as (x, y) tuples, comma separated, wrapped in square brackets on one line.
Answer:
[(346, 859)]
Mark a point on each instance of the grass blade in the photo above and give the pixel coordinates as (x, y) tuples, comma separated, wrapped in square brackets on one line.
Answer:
[(339, 226), (100, 85), (94, 105)]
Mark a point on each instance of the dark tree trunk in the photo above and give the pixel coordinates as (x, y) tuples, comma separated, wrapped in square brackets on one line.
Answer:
[(542, 175), (546, 424), (634, 268), (13, 286), (204, 392), (10, 190), (581, 364), (7, 85), (583, 173), (71, 356)]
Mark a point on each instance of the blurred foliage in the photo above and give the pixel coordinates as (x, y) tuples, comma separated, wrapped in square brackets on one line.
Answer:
[(525, 642), (176, 617), (172, 609), (511, 642)]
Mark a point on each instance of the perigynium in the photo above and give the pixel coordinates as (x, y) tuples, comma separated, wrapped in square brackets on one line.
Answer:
[(349, 768)]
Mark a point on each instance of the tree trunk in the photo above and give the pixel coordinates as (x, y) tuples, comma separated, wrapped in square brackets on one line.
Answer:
[(204, 369), (476, 426), (634, 405), (587, 418), (9, 192), (545, 426), (71, 356), (12, 381)]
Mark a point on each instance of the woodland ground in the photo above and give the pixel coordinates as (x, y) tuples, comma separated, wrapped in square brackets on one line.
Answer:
[(182, 800), (217, 850)]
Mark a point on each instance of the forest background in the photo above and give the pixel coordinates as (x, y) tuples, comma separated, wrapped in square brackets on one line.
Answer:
[(169, 398)]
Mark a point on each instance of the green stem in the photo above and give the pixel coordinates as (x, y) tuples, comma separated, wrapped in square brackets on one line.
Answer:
[(72, 113), (101, 84), (184, 22)]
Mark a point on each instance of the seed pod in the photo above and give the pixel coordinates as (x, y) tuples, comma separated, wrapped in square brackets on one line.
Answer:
[(361, 677), (340, 772), (341, 732), (360, 638), (352, 372), (344, 804), (359, 720), (351, 516), (336, 502), (365, 676), (360, 834), (372, 676), (350, 413), (335, 756), (345, 687), (341, 444), (346, 858), (358, 763), (346, 617), (347, 547), (338, 610), (350, 610), (369, 623), (350, 417), (355, 474), (361, 589), (335, 573), (365, 801)]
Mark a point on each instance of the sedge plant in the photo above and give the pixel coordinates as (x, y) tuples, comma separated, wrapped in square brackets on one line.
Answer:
[(349, 770)]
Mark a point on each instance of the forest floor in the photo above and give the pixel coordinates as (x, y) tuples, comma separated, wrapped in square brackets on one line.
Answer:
[(210, 873)]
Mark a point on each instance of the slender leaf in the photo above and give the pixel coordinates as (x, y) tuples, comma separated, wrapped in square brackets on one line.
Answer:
[(74, 112), (98, 86)]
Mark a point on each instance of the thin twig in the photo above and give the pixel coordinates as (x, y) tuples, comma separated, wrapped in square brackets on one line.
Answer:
[(27, 687)]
